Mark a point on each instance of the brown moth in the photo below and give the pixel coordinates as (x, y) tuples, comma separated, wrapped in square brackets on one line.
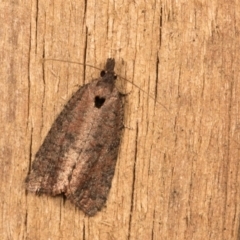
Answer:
[(79, 153)]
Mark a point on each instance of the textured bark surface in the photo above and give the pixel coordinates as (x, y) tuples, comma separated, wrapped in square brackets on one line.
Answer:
[(177, 173)]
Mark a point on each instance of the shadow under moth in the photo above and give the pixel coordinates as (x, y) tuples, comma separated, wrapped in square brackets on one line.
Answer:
[(79, 153)]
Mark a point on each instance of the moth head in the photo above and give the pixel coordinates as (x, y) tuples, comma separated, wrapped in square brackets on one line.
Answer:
[(104, 73)]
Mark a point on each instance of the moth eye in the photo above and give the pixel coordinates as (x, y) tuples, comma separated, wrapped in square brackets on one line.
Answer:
[(99, 102), (115, 76), (102, 73)]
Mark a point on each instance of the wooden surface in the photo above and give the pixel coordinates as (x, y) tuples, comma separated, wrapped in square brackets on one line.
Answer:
[(177, 175)]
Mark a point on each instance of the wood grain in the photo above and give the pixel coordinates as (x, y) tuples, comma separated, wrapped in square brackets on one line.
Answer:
[(177, 175)]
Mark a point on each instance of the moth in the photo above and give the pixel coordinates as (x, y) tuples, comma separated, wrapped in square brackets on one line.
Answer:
[(79, 154)]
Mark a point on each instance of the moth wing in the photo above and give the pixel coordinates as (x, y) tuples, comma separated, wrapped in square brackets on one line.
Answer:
[(90, 183), (47, 164), (78, 155)]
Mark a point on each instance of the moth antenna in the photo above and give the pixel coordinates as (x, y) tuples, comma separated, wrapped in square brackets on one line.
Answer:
[(89, 65), (67, 61)]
